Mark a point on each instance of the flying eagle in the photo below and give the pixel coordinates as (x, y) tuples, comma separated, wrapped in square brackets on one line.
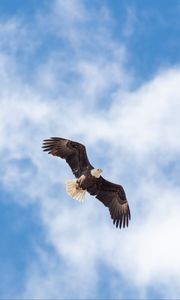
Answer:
[(89, 179)]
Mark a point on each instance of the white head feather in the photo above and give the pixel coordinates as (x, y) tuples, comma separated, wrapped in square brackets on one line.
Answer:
[(96, 172)]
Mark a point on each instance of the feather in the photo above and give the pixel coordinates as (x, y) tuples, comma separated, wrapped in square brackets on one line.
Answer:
[(74, 153), (113, 196)]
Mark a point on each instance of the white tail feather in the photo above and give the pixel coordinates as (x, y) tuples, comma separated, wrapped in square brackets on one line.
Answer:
[(74, 191)]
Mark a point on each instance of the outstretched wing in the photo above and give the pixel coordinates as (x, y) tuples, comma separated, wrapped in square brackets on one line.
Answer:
[(74, 153), (113, 196)]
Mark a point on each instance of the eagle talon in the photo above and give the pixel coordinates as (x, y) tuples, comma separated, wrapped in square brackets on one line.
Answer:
[(79, 181), (78, 184)]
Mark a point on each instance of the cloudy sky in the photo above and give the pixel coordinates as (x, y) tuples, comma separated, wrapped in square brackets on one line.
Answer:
[(107, 74)]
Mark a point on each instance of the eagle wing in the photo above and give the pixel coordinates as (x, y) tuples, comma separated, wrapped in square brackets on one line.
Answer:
[(113, 196), (74, 153)]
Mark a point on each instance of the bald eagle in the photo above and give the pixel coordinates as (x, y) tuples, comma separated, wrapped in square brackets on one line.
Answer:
[(89, 179)]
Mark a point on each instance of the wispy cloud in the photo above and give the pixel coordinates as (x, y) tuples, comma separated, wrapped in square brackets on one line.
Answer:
[(130, 23), (139, 132)]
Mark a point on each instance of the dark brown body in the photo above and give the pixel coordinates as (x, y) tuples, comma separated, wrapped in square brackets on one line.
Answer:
[(90, 183)]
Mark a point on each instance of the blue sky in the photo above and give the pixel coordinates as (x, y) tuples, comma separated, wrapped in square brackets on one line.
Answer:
[(105, 73)]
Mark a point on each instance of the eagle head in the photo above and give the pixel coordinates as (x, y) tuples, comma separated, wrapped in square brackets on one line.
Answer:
[(96, 172)]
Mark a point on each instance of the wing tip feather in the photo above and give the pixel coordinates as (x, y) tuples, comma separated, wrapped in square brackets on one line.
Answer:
[(121, 217)]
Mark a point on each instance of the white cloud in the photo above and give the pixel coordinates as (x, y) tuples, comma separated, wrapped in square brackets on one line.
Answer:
[(130, 22), (139, 130)]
